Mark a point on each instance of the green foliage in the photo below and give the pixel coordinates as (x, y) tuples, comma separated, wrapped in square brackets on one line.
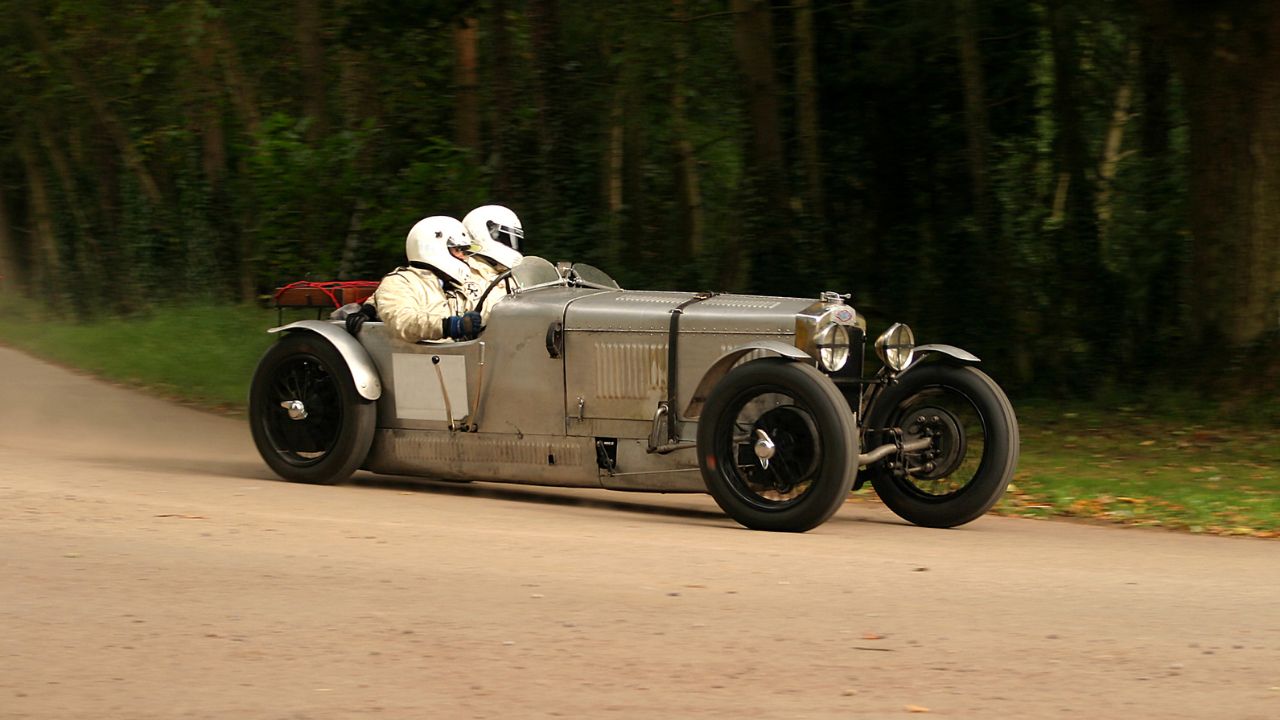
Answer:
[(296, 199), (203, 354), (576, 113), (1132, 466)]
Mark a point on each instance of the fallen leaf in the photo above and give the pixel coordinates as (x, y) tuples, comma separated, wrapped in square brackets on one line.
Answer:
[(872, 636), (917, 709)]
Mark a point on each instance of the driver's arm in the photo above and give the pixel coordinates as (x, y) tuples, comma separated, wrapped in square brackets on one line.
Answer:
[(413, 307)]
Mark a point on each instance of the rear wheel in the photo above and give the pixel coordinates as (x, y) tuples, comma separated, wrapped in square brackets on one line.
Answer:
[(777, 446), (308, 421)]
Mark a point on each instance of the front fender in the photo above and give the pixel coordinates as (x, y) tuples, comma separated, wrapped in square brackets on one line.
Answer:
[(725, 362), (363, 371), (950, 354)]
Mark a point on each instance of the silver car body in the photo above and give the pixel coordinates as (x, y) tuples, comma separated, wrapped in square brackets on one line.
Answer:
[(568, 385)]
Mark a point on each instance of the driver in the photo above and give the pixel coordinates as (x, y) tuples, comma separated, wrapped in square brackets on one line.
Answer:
[(432, 298), (495, 233)]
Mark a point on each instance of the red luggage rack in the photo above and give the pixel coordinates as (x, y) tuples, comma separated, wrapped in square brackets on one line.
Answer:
[(324, 296)]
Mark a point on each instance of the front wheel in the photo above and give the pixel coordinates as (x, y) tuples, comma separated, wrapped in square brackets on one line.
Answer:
[(973, 453), (308, 421), (777, 446)]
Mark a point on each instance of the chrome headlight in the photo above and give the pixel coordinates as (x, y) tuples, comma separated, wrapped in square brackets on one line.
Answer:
[(833, 347), (896, 346)]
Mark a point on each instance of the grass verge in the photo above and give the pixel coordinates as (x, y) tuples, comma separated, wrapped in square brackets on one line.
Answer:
[(199, 354), (1121, 465), (1117, 464)]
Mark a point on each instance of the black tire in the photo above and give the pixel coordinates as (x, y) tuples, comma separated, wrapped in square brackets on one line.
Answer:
[(333, 438), (976, 453), (813, 467)]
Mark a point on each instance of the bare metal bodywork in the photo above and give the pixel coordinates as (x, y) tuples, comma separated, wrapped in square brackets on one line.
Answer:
[(759, 401), (567, 386), (582, 419)]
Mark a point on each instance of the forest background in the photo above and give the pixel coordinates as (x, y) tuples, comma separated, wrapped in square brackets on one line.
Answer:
[(1084, 193)]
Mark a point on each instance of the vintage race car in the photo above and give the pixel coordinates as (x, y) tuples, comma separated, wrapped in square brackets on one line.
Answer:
[(760, 401)]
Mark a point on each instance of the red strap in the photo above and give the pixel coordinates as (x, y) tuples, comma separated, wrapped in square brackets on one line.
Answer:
[(327, 288)]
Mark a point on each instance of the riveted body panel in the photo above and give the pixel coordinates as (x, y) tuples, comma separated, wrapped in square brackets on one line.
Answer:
[(574, 382), (618, 344), (558, 370)]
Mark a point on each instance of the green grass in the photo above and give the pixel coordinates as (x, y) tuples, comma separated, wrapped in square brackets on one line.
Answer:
[(198, 354), (1123, 466), (1191, 471)]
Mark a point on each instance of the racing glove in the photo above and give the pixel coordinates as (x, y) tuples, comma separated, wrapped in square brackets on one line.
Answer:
[(357, 319), (466, 326)]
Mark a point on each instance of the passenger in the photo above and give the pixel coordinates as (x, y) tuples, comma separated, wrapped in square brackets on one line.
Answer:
[(460, 247), (496, 235), (429, 299)]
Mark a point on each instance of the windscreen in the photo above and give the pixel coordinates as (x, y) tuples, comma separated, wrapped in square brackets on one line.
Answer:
[(592, 276), (533, 272)]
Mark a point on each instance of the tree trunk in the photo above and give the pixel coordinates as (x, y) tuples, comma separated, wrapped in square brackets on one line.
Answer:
[(466, 86), (311, 59), (547, 88), (243, 94), (687, 177), (975, 111), (500, 118), (765, 189), (1165, 280), (360, 108), (1229, 59), (1111, 154), (244, 98), (66, 180), (213, 156), (1084, 306), (614, 158), (86, 87), (46, 264), (11, 281), (807, 110), (753, 44)]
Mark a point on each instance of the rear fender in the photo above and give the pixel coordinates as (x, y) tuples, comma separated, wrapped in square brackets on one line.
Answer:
[(363, 371), (721, 367)]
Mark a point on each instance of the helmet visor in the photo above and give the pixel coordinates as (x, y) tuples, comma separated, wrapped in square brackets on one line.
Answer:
[(461, 242), (507, 235)]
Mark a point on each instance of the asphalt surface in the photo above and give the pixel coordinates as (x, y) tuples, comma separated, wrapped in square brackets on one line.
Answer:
[(152, 567)]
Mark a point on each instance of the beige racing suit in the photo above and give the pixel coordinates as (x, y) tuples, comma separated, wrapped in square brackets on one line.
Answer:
[(482, 268), (474, 287), (414, 303)]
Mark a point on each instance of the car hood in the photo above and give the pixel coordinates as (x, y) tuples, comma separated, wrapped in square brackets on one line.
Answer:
[(650, 311)]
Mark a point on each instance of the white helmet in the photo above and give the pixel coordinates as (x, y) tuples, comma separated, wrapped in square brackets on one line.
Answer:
[(429, 241), (495, 233)]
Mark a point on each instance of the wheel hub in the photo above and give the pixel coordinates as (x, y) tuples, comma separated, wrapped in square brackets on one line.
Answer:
[(948, 448), (297, 410), (785, 448), (764, 448)]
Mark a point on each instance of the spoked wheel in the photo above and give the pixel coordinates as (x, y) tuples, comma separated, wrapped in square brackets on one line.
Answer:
[(308, 421), (777, 446), (971, 458)]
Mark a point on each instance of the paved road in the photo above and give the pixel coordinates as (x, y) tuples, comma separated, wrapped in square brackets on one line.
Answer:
[(151, 567)]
